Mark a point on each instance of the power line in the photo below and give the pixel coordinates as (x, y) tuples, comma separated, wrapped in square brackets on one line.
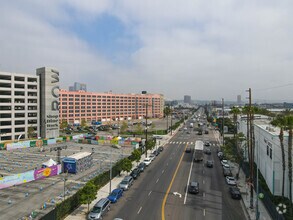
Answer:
[(275, 87)]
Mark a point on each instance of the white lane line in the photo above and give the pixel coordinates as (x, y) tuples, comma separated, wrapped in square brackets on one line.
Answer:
[(203, 182), (203, 172), (204, 212), (163, 171), (157, 181), (139, 210), (204, 194), (150, 193), (167, 164), (187, 143), (188, 180)]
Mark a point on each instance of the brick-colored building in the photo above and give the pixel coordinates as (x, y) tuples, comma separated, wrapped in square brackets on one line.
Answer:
[(90, 106)]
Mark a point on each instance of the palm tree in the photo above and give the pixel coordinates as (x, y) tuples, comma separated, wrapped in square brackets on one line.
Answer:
[(280, 122), (235, 111), (289, 125), (167, 112)]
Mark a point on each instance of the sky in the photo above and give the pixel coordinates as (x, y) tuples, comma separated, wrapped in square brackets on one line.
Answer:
[(206, 49)]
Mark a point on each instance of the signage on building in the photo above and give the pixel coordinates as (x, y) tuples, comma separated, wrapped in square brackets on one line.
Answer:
[(49, 84)]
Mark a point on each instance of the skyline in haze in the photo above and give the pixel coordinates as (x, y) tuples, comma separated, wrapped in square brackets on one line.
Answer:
[(206, 50)]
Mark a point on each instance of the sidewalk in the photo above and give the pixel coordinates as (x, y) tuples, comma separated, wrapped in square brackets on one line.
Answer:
[(245, 192), (80, 212)]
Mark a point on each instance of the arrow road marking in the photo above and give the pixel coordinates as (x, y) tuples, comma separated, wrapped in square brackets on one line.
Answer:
[(177, 194)]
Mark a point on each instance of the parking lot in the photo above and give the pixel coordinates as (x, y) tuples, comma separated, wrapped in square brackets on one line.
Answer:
[(32, 196)]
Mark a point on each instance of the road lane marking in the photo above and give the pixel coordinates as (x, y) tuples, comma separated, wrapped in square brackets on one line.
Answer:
[(170, 185), (204, 212), (190, 170), (163, 171), (157, 181), (167, 164), (203, 182), (150, 193), (204, 194), (139, 210)]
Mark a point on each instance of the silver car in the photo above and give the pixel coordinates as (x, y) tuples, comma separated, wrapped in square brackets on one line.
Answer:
[(100, 209), (126, 183)]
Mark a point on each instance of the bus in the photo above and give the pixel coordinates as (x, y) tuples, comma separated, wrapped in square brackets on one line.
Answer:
[(198, 151)]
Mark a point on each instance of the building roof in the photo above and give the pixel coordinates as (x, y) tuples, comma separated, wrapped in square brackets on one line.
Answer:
[(79, 155)]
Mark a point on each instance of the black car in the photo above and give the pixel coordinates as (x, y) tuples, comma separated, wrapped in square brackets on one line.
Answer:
[(208, 151), (206, 131), (199, 132), (193, 187), (207, 144), (141, 167), (156, 152), (235, 192), (135, 173), (160, 149), (210, 163), (188, 150)]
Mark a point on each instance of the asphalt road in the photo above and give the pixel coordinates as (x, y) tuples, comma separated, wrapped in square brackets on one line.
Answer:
[(145, 198)]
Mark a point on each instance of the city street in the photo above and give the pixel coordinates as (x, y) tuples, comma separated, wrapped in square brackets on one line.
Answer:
[(148, 192)]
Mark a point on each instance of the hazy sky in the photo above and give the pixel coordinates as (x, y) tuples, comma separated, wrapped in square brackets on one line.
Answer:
[(207, 49)]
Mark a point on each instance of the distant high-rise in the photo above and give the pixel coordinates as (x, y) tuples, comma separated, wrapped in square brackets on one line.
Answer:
[(77, 87), (238, 99), (187, 99)]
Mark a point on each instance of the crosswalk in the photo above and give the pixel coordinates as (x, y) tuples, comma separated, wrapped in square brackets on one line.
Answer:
[(184, 142)]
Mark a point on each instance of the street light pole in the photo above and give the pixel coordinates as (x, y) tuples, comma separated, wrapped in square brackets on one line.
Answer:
[(110, 185), (171, 119)]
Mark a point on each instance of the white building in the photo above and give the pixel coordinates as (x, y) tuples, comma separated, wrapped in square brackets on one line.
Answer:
[(268, 155), (19, 95)]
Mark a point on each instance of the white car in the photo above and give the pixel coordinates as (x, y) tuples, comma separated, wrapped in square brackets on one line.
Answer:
[(220, 154), (223, 162), (231, 181), (152, 157), (147, 161)]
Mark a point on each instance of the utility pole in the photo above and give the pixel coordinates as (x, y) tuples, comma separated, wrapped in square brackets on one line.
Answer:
[(171, 119), (250, 145), (223, 121), (146, 129)]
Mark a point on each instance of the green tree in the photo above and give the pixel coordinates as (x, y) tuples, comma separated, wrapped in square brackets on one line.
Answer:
[(235, 111), (83, 123), (136, 155), (167, 112), (123, 127), (30, 131), (88, 194), (280, 122), (63, 124), (126, 165), (138, 129)]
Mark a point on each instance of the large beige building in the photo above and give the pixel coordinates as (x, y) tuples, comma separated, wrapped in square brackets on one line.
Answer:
[(19, 105), (76, 106)]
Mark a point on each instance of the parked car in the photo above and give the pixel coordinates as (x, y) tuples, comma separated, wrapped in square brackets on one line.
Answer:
[(235, 192), (156, 152), (220, 154), (223, 162), (230, 180), (100, 209), (135, 173), (147, 161), (126, 183), (141, 166), (193, 187), (206, 131), (115, 195), (161, 148), (152, 157), (227, 172), (210, 163)]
